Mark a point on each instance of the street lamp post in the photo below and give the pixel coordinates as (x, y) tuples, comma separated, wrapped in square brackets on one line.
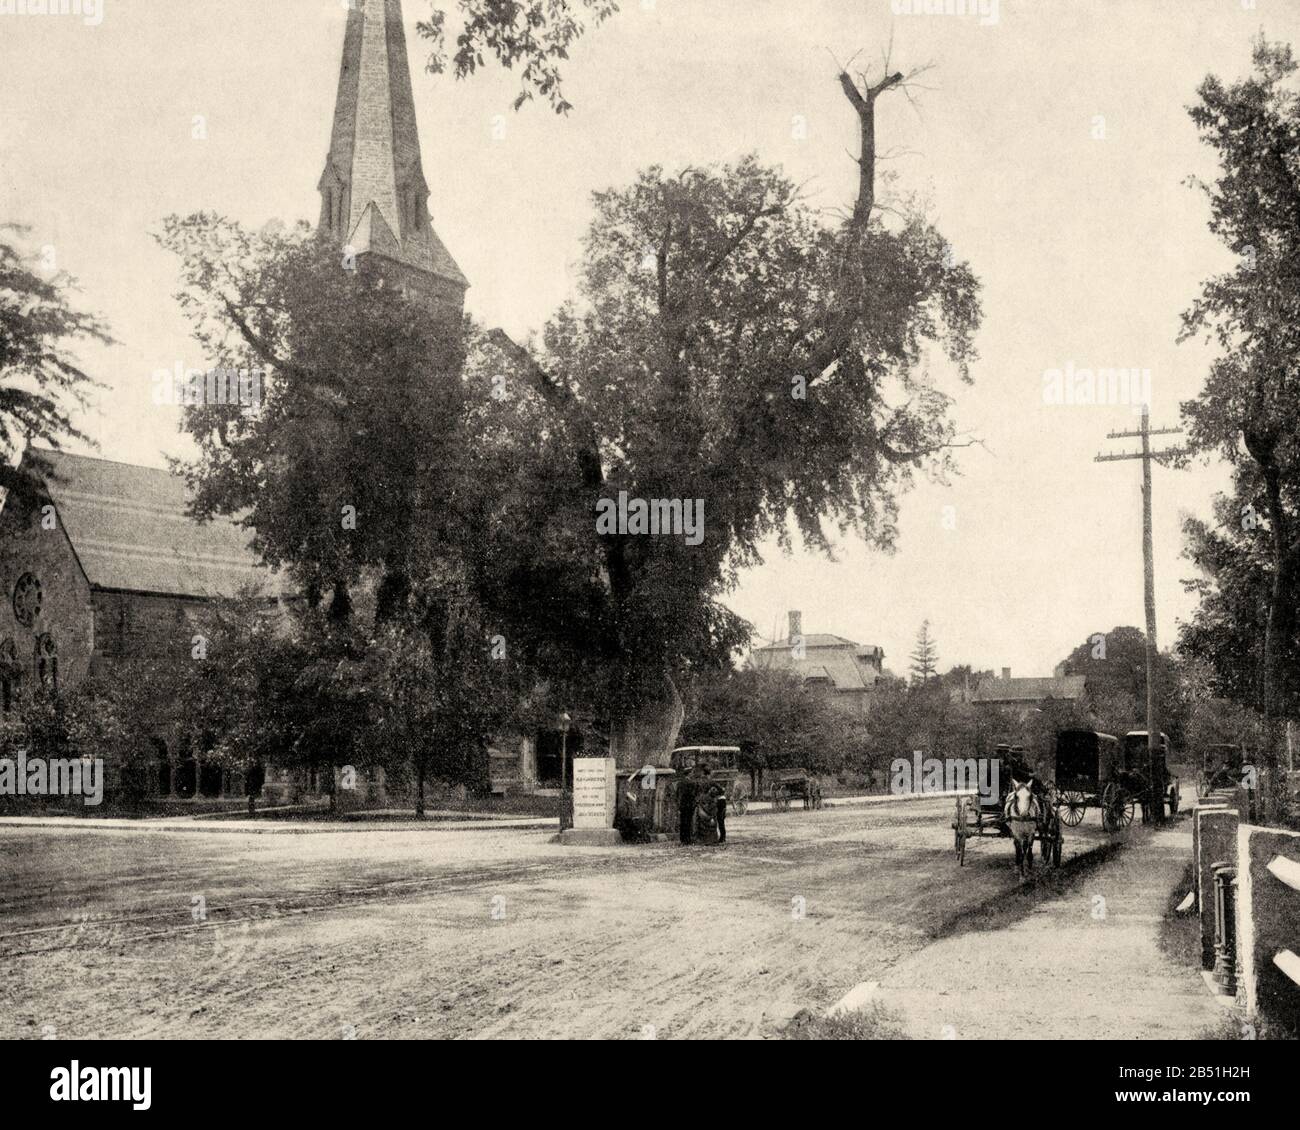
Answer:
[(565, 723)]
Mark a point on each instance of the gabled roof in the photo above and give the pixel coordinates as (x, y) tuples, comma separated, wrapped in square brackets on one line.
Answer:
[(836, 663), (814, 639), (1069, 687), (129, 529)]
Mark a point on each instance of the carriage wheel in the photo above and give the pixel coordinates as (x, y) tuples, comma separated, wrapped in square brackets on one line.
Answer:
[(1110, 819), (741, 805), (1073, 805), (1117, 807)]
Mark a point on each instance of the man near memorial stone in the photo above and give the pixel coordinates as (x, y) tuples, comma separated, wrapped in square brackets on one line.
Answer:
[(687, 794)]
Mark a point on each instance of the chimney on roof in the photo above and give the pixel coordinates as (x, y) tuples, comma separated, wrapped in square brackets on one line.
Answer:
[(796, 625), (1060, 670), (1006, 674)]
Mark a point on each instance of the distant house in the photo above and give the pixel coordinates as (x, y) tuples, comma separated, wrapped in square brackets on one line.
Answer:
[(847, 671), (1026, 695)]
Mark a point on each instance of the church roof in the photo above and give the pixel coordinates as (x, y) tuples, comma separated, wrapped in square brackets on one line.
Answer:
[(130, 531), (374, 158)]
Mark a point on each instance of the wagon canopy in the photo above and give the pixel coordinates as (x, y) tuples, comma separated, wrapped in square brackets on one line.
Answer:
[(1085, 759), (709, 757)]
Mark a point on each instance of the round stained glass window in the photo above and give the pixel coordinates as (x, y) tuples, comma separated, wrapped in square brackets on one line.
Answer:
[(27, 599)]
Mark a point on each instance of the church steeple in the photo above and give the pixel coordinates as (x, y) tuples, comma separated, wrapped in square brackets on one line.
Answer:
[(374, 198)]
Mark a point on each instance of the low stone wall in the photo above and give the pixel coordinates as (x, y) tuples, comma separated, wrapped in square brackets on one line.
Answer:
[(1263, 895), (1268, 923)]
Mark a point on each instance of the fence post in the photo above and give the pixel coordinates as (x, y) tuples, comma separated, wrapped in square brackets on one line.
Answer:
[(1214, 838), (1225, 932)]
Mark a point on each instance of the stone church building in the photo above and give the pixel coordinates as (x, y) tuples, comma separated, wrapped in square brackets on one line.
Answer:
[(105, 567), (108, 566)]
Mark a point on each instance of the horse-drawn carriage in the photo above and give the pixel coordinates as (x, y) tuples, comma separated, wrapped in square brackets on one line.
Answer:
[(1222, 767), (1095, 770), (648, 798), (1151, 766), (1023, 808), (786, 785), (1090, 773)]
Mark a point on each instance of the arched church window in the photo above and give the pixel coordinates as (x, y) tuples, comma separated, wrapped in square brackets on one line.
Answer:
[(28, 599)]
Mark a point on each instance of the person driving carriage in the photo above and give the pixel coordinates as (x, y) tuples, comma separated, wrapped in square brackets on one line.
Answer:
[(1012, 766)]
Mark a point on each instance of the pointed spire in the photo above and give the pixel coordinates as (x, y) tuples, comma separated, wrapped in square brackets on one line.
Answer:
[(374, 197)]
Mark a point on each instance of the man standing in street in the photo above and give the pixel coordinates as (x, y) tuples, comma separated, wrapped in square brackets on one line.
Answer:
[(721, 813), (686, 797)]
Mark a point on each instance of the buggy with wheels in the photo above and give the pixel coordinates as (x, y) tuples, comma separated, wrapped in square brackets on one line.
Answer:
[(986, 814), (786, 785), (1150, 768), (1091, 773), (648, 797), (1222, 767)]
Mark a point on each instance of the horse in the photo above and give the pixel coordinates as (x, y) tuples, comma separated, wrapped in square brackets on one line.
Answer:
[(1023, 812)]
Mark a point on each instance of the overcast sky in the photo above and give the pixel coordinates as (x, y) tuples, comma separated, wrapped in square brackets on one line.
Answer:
[(1088, 248)]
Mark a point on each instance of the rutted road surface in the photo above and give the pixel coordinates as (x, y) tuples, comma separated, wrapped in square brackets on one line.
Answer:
[(483, 932)]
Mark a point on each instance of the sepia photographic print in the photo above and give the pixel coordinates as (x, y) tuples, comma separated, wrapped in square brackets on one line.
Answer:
[(650, 520)]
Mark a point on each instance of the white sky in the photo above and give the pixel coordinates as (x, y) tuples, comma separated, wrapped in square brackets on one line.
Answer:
[(1088, 250)]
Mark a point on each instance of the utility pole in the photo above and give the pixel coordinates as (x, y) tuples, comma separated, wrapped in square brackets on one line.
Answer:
[(1154, 806)]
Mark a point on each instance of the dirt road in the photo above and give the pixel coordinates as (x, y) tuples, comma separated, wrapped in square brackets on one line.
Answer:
[(481, 933)]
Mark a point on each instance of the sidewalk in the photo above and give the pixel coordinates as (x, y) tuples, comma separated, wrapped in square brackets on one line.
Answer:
[(435, 822), (1086, 963)]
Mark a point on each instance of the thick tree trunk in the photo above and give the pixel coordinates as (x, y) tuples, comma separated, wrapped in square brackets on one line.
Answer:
[(1277, 629), (391, 599), (340, 611)]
